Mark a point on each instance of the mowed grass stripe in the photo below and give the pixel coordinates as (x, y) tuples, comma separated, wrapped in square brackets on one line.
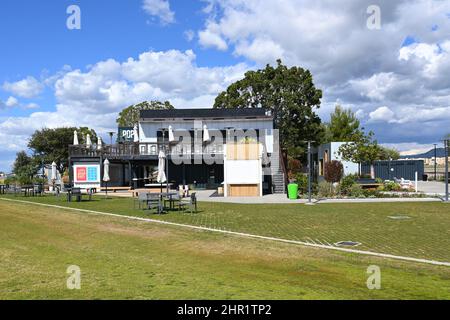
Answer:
[(126, 259), (247, 235)]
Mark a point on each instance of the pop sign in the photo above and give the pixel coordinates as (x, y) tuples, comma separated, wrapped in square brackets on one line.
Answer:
[(126, 134)]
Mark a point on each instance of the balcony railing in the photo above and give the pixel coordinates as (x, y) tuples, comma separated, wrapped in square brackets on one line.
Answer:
[(143, 149)]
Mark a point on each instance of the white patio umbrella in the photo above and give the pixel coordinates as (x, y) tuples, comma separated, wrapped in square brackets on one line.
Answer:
[(106, 177), (206, 136), (75, 138), (88, 141), (171, 135), (136, 133), (161, 168), (99, 143), (54, 171)]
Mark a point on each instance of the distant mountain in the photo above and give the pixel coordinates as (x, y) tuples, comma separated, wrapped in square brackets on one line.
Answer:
[(440, 153)]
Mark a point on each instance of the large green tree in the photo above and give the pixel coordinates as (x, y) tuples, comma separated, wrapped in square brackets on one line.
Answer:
[(364, 149), (130, 115), (344, 126), (291, 96), (24, 168), (50, 145)]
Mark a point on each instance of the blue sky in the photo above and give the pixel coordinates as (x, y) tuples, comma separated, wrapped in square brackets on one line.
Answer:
[(395, 78)]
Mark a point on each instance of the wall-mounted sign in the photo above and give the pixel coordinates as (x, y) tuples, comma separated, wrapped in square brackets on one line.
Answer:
[(126, 134), (87, 173)]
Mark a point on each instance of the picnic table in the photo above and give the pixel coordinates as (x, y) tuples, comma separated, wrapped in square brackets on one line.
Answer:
[(27, 190)]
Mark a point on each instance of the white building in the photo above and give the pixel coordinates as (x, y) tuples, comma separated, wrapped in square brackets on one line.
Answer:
[(329, 152)]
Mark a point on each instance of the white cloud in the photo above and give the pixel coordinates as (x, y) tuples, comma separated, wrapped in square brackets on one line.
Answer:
[(210, 38), (160, 9), (26, 88), (382, 114), (11, 102), (357, 66), (95, 96), (189, 35)]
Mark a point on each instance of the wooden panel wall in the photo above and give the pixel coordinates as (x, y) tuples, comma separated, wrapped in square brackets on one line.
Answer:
[(243, 151), (243, 190)]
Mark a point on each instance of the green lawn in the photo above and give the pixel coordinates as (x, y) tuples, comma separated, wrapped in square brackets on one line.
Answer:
[(120, 258), (426, 235)]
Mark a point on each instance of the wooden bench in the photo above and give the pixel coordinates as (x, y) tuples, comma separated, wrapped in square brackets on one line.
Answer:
[(115, 189)]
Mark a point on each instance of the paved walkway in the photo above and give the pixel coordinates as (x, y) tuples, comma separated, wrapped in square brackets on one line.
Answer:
[(209, 196), (432, 187)]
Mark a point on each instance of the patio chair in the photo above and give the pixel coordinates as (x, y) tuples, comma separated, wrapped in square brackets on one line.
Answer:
[(76, 192), (38, 190), (141, 198), (174, 200), (154, 202), (192, 203)]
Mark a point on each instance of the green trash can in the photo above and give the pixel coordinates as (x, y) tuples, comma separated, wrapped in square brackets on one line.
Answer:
[(293, 191)]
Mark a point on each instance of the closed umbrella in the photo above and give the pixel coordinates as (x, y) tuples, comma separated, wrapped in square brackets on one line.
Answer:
[(106, 177), (75, 138), (136, 134), (54, 174), (206, 137), (88, 141), (171, 135), (161, 168), (99, 143), (54, 171)]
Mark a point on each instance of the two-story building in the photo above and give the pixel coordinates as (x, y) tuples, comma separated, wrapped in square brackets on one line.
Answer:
[(233, 149)]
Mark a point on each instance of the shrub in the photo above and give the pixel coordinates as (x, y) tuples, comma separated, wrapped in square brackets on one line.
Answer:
[(334, 171), (294, 168), (347, 182), (302, 181), (391, 186), (355, 191), (325, 190)]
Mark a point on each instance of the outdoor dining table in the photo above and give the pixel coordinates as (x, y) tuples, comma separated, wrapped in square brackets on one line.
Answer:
[(27, 190), (161, 196)]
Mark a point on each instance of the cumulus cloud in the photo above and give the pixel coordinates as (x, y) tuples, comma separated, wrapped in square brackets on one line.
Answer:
[(159, 9), (361, 68), (11, 102), (95, 96), (29, 87)]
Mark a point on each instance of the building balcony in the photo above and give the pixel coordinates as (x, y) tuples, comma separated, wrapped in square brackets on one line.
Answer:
[(143, 150)]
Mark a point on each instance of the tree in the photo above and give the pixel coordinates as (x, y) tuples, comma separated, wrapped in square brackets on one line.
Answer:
[(22, 161), (344, 126), (364, 149), (24, 168), (334, 171), (389, 153), (50, 145), (291, 96), (130, 115)]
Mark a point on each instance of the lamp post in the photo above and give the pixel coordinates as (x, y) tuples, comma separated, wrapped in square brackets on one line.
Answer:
[(446, 147), (111, 135), (309, 173), (435, 162)]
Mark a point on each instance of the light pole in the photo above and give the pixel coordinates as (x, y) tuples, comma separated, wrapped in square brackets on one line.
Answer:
[(446, 147), (111, 135), (309, 173), (435, 162)]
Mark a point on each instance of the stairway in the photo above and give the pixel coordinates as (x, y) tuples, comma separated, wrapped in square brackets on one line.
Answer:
[(278, 182)]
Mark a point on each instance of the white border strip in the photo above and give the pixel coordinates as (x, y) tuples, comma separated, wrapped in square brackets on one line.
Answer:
[(246, 235)]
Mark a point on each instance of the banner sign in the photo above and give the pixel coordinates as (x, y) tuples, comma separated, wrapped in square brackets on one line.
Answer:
[(126, 134), (87, 173)]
